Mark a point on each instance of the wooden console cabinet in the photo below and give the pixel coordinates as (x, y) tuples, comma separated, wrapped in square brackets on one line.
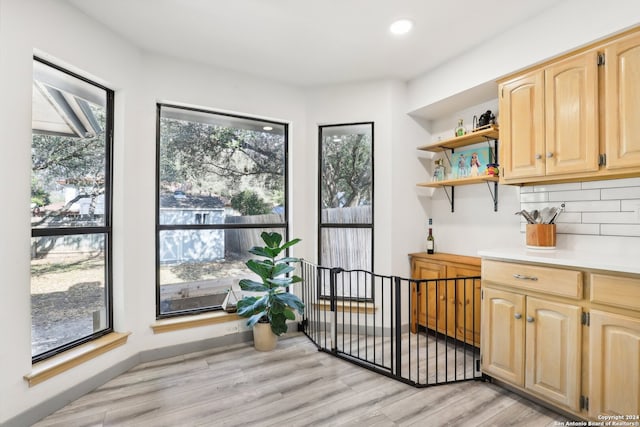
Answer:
[(450, 305)]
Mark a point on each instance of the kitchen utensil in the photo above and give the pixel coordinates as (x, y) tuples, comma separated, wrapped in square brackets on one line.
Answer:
[(555, 215), (545, 215), (526, 216), (535, 215)]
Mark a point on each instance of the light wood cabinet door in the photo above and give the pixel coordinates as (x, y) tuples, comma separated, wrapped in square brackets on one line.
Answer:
[(553, 351), (615, 364), (571, 115), (467, 303), (503, 328), (425, 303), (622, 103), (522, 126)]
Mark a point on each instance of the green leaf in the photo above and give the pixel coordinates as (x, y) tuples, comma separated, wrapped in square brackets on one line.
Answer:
[(284, 281), (289, 259), (272, 239), (280, 269), (290, 243), (261, 268), (289, 314), (249, 306), (277, 307), (252, 286), (255, 318), (290, 300), (278, 324), (265, 252)]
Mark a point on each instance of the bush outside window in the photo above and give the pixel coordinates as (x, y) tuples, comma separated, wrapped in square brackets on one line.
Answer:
[(222, 181)]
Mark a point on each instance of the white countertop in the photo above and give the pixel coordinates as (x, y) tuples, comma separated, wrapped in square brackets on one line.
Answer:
[(624, 259)]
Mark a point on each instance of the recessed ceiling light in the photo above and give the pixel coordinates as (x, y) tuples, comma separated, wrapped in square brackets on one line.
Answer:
[(267, 127), (401, 26)]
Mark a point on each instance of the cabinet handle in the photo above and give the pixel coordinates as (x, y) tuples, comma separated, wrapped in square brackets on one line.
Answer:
[(529, 319), (525, 277), (538, 156), (549, 154), (518, 316)]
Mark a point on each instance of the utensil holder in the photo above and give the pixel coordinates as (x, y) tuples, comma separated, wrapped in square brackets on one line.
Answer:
[(541, 236)]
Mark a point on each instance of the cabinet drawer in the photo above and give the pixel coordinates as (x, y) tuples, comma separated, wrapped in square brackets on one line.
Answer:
[(623, 292), (554, 281)]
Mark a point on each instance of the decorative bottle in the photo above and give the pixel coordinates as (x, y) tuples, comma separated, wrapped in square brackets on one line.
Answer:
[(430, 239), (460, 129)]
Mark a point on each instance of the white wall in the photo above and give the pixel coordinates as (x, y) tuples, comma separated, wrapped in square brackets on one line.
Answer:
[(28, 27), (396, 210), (568, 25), (59, 33), (71, 39)]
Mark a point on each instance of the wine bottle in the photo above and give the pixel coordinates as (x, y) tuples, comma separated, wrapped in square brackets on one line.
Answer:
[(430, 240)]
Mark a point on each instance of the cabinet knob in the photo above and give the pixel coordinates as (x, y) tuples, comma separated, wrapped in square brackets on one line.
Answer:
[(518, 316), (549, 154), (529, 319), (538, 156)]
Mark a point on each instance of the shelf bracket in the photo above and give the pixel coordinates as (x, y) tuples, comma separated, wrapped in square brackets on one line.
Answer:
[(450, 197), (494, 195), (446, 154)]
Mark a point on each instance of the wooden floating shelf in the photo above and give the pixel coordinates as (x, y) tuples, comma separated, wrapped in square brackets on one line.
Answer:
[(490, 133), (459, 181)]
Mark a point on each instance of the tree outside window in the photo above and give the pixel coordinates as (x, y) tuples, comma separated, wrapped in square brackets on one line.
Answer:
[(221, 182)]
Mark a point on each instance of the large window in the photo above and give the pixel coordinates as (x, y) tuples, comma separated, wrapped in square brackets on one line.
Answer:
[(70, 210), (345, 237), (222, 180)]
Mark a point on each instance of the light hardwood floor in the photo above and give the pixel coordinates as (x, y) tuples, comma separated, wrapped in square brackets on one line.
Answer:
[(295, 385)]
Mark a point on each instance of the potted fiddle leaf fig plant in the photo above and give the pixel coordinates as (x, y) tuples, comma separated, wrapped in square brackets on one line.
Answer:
[(269, 312)]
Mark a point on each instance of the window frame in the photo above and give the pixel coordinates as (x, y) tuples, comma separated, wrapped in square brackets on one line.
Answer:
[(203, 226), (106, 229), (328, 225)]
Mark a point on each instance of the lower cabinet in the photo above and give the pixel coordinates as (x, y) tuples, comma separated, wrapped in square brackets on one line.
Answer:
[(449, 301), (542, 334), (615, 365), (534, 344)]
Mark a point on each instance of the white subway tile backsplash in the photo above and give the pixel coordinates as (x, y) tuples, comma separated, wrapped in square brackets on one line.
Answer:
[(569, 217), (563, 196), (557, 187), (611, 183), (563, 228), (630, 205), (610, 218), (621, 193), (593, 206), (533, 197), (620, 230), (606, 208)]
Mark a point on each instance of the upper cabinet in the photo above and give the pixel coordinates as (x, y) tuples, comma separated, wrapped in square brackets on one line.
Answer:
[(622, 102), (573, 118)]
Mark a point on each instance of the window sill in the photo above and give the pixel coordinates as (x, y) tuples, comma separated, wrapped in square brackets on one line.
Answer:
[(62, 362), (349, 307), (186, 322)]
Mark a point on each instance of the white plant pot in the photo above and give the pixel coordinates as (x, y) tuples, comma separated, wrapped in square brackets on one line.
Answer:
[(263, 337)]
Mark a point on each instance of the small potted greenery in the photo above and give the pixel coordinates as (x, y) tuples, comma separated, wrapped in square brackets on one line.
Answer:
[(269, 312)]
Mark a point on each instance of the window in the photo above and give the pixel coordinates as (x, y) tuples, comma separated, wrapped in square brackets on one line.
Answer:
[(221, 182), (345, 237), (70, 210)]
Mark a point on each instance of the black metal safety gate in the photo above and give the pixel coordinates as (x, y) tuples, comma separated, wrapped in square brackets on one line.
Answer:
[(421, 332)]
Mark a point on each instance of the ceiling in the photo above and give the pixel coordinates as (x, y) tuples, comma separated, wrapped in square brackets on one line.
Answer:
[(311, 42)]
